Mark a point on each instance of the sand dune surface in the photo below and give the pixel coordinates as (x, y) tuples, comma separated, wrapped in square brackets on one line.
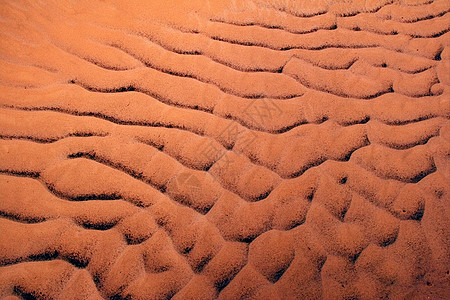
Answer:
[(261, 149)]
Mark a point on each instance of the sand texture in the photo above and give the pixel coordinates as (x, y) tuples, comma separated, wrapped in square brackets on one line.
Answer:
[(241, 149)]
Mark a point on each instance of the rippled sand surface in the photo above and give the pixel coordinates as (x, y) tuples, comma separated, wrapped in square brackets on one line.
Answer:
[(257, 149)]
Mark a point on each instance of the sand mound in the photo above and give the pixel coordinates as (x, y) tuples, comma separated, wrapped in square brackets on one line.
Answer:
[(264, 149)]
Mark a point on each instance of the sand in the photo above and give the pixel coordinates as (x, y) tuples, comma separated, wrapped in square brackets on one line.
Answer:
[(263, 149)]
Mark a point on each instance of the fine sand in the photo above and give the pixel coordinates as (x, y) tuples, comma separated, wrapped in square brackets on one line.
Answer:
[(241, 149)]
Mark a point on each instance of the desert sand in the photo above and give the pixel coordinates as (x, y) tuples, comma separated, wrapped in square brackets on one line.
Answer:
[(241, 149)]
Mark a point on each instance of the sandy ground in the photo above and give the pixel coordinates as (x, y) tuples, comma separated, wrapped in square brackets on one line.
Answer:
[(265, 149)]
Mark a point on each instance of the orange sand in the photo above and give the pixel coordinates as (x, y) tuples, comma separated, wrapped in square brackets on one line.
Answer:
[(254, 149)]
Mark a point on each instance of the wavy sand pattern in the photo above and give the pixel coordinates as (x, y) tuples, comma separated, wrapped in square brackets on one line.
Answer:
[(265, 149)]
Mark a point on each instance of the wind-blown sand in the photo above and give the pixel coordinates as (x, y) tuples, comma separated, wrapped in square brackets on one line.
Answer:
[(265, 149)]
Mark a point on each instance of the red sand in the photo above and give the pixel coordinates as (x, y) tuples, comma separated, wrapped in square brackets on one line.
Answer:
[(265, 149)]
